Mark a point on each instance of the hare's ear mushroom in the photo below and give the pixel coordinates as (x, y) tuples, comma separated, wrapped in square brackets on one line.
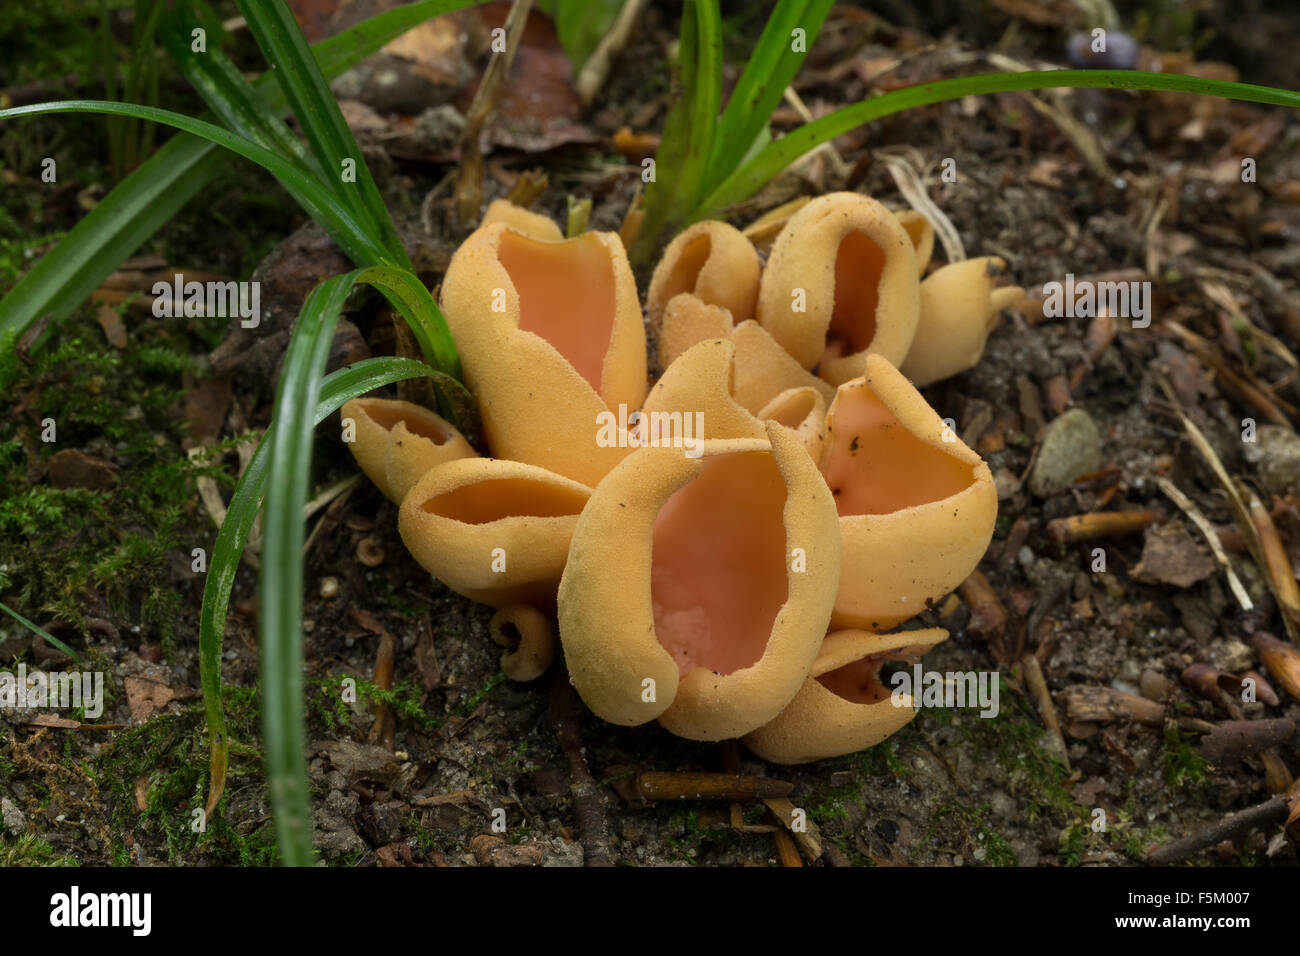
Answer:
[(916, 505), (843, 707), (493, 530), (550, 336), (841, 284), (395, 443), (697, 590), (959, 308)]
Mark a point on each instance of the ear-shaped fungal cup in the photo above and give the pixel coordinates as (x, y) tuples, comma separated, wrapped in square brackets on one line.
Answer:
[(764, 370), (521, 220), (841, 284), (712, 261), (921, 231), (695, 588), (700, 383), (804, 411), (959, 308), (843, 707), (493, 530), (687, 320), (916, 505), (550, 337), (395, 443)]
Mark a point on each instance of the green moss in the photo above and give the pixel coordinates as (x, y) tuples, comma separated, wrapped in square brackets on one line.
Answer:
[(327, 706), (168, 755), (965, 827), (1071, 843), (1014, 739), (469, 703), (72, 553), (1184, 767), (29, 850)]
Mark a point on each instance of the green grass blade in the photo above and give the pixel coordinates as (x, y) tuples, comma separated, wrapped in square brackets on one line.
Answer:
[(356, 43), (704, 108), (284, 47), (235, 100), (245, 503), (409, 296), (40, 632), (139, 206), (288, 479), (580, 24), (768, 72), (319, 203), (753, 175), (282, 699), (680, 159), (108, 235)]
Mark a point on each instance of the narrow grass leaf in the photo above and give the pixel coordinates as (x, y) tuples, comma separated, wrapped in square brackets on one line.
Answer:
[(337, 388), (769, 70), (288, 480), (284, 47), (757, 172), (320, 204), (409, 296), (133, 211), (234, 99), (40, 632)]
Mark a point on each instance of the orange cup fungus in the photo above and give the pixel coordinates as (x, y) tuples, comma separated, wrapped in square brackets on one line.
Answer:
[(725, 551)]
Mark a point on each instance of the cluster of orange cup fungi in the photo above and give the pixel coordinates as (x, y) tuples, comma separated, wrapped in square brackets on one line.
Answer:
[(745, 587)]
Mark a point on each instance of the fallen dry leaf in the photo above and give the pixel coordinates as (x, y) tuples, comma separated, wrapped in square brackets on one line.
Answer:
[(206, 405), (75, 469), (111, 323), (146, 697), (1171, 555), (538, 108)]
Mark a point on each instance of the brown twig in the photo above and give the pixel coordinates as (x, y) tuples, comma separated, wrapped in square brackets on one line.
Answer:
[(1037, 686), (709, 786), (1281, 659), (1243, 389), (1276, 565), (596, 70), (469, 186), (1261, 815), (786, 851), (381, 731), (987, 615), (588, 800), (1099, 524), (807, 836), (1087, 703)]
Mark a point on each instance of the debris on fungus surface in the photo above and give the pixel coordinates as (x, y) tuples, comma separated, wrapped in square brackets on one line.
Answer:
[(725, 551)]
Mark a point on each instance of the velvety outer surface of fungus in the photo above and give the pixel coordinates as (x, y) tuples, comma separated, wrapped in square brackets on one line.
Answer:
[(686, 271), (718, 575), (566, 296), (858, 265), (875, 466), (492, 500), (792, 410)]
